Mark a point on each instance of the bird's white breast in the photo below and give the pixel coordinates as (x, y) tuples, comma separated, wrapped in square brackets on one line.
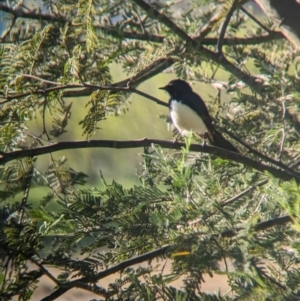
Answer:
[(185, 119)]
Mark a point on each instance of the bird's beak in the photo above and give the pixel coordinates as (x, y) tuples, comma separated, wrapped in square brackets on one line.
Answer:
[(163, 88)]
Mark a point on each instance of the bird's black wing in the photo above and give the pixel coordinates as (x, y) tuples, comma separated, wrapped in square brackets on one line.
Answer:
[(214, 137), (195, 102)]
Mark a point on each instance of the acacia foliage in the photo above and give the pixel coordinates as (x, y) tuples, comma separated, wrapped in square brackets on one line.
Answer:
[(201, 210)]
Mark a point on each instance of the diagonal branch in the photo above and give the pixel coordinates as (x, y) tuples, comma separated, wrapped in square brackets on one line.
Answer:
[(8, 30), (277, 221), (253, 18), (242, 193), (155, 68), (81, 283), (193, 43), (196, 46), (224, 27), (259, 154), (224, 203), (223, 153), (45, 271)]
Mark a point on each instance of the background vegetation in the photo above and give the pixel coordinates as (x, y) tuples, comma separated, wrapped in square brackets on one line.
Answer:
[(83, 191)]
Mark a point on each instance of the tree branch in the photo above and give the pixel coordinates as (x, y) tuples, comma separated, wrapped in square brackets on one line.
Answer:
[(224, 27), (261, 25), (252, 81), (89, 87), (94, 278), (271, 36), (194, 43), (242, 193), (19, 12), (281, 220), (259, 154), (133, 81), (230, 201), (8, 30), (116, 32), (45, 271), (274, 35), (223, 153), (81, 283)]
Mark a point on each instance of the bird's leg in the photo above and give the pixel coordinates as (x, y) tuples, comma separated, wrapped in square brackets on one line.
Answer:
[(174, 140), (204, 138)]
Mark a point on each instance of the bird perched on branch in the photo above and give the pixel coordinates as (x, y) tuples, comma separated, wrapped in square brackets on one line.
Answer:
[(189, 113)]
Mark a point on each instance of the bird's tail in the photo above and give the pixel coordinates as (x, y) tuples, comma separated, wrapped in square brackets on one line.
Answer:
[(218, 140)]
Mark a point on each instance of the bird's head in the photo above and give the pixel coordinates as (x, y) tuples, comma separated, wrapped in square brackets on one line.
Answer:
[(177, 87)]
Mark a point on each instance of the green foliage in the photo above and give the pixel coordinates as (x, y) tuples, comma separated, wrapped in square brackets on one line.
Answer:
[(102, 104), (132, 221), (202, 214)]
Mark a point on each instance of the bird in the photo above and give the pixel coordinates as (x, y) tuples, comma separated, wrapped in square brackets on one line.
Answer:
[(188, 112)]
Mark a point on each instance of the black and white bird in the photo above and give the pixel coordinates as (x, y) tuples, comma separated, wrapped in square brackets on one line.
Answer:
[(189, 113)]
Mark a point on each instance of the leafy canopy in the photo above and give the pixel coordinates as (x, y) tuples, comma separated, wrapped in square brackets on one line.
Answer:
[(206, 210)]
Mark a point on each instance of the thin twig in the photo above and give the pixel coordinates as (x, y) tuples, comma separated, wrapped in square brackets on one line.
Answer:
[(58, 177), (40, 79), (244, 192), (8, 30), (283, 132), (140, 20), (39, 91), (36, 138), (224, 27), (26, 193), (45, 271), (256, 20), (46, 180), (229, 201), (6, 268), (44, 118), (89, 86)]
